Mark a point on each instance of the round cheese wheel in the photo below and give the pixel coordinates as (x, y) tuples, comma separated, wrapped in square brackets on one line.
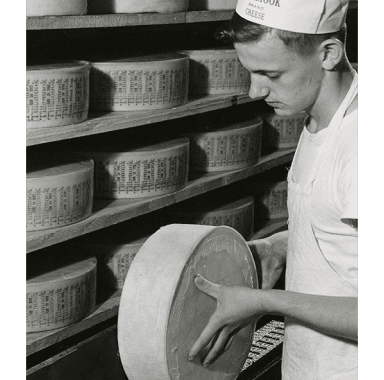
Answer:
[(213, 211), (139, 83), (136, 6), (197, 5), (162, 312), (154, 169), (229, 147), (282, 131), (59, 190), (56, 7), (60, 291), (216, 71), (57, 93)]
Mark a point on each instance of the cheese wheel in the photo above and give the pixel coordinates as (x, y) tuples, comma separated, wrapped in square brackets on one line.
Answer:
[(198, 5), (59, 190), (271, 199), (213, 211), (216, 71), (230, 147), (162, 312), (282, 132), (136, 6), (60, 291), (57, 93), (141, 83), (154, 169), (56, 7)]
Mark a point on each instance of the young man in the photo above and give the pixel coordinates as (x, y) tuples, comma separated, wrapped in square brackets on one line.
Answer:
[(294, 50)]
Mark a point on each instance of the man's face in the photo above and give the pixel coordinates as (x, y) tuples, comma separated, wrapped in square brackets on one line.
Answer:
[(287, 81)]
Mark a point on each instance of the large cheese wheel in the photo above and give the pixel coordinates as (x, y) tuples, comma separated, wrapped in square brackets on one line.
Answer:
[(213, 211), (59, 190), (57, 93), (230, 147), (216, 71), (197, 5), (60, 291), (282, 131), (140, 83), (154, 169), (56, 7), (136, 6), (162, 312)]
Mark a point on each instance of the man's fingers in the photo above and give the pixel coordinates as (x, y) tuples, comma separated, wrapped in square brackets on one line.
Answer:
[(217, 348), (206, 286)]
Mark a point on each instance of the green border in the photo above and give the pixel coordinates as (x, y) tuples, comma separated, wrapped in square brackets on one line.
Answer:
[(12, 279)]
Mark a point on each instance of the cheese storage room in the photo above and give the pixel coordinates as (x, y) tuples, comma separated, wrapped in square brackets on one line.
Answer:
[(168, 142)]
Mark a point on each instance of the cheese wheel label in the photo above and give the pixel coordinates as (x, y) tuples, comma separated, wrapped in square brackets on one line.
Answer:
[(153, 170), (229, 148), (62, 296), (59, 194), (282, 131), (271, 199), (57, 94), (136, 6), (56, 7), (216, 71), (154, 82)]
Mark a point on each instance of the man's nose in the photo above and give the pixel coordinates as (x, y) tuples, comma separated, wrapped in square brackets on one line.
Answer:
[(258, 88)]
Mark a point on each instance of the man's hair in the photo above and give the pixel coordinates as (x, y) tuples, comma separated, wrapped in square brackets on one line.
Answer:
[(240, 30)]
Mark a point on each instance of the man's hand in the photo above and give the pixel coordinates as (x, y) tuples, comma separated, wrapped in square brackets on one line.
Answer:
[(235, 309), (270, 256)]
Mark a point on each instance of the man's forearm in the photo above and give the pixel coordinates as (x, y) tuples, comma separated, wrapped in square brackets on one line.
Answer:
[(331, 315)]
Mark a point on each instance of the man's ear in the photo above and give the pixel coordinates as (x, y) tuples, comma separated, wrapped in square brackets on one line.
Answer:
[(332, 53)]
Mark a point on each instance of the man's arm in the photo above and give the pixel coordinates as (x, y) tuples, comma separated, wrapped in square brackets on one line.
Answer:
[(238, 306)]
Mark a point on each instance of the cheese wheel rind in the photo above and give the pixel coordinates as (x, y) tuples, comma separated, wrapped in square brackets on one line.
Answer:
[(198, 5), (216, 72), (57, 94), (136, 6), (140, 83), (229, 148), (282, 132), (59, 191), (156, 169), (62, 296), (55, 7), (162, 312)]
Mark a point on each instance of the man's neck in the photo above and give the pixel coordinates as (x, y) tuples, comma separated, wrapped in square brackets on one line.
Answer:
[(334, 89)]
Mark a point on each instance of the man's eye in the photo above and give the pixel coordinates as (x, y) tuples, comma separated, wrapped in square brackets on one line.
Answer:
[(273, 78)]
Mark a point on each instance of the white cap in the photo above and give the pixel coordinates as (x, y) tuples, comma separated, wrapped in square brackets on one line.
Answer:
[(302, 16)]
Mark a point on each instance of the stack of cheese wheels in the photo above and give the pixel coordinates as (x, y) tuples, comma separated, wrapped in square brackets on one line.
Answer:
[(136, 6), (197, 5), (139, 83), (162, 312), (57, 93), (270, 199), (229, 147), (56, 7), (212, 211), (59, 190), (153, 169), (282, 131), (61, 290), (216, 71)]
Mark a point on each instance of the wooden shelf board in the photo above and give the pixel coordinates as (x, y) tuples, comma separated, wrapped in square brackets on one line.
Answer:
[(124, 19), (108, 212), (108, 309), (113, 121)]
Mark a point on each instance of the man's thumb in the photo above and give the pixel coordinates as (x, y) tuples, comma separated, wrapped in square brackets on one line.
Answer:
[(206, 286)]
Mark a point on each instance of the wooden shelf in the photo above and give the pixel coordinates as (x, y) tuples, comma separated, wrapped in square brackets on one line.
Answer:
[(108, 212), (124, 19), (113, 121), (109, 309)]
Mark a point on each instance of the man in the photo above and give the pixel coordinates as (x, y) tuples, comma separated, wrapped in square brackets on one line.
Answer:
[(294, 50)]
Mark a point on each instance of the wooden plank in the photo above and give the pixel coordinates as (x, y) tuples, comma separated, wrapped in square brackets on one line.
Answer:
[(108, 309), (124, 19), (113, 121), (108, 212)]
